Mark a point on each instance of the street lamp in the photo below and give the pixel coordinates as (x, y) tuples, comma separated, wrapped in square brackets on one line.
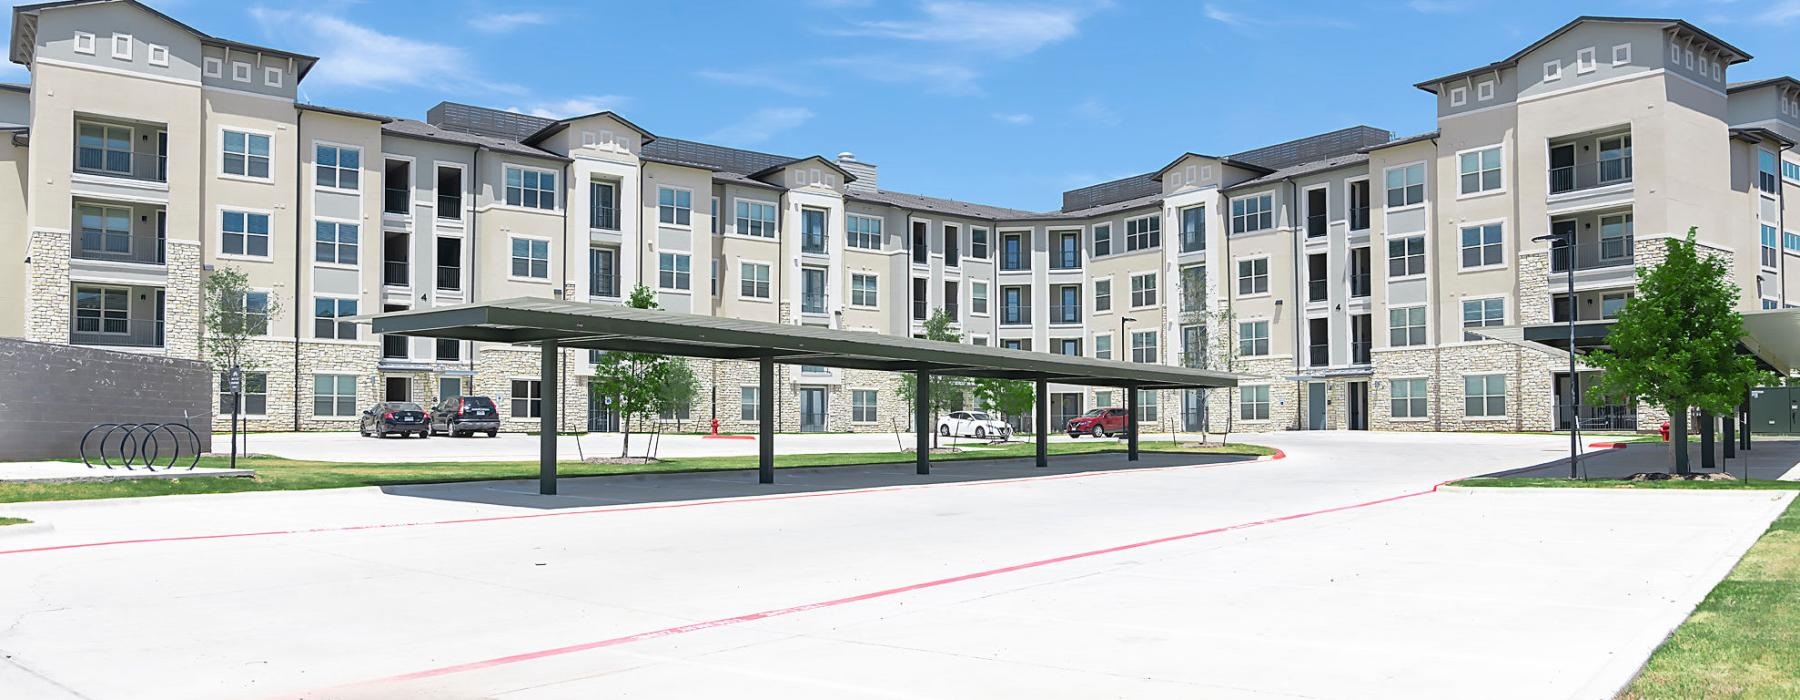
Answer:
[(1567, 240), (1123, 341)]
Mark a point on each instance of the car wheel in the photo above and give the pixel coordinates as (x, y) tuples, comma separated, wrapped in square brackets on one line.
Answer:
[(944, 430), (362, 430), (980, 433), (493, 433), (1099, 433), (425, 435)]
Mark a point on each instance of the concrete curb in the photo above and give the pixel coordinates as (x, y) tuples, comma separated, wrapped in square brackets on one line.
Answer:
[(31, 528)]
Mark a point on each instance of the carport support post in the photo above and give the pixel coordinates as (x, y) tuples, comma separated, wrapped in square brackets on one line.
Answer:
[(1708, 424), (1131, 424), (922, 421), (1043, 424), (1729, 436), (547, 422), (765, 424)]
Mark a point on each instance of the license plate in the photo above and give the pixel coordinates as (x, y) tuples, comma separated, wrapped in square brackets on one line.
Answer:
[(478, 412)]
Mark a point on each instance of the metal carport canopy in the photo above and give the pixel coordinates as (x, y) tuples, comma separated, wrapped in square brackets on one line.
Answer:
[(553, 324)]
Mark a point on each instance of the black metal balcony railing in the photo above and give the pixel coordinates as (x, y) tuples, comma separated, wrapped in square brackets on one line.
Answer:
[(449, 206), (1592, 255), (395, 347), (394, 273), (1317, 290), (148, 167), (1586, 176), (604, 285), (449, 277), (813, 243), (1360, 285), (1318, 354), (1359, 352), (812, 303), (141, 249), (394, 201), (1064, 313), (1065, 260), (953, 311), (115, 332), (1359, 218), (1015, 315), (921, 310)]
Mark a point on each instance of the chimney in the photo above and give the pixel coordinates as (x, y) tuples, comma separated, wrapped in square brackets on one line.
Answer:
[(864, 172)]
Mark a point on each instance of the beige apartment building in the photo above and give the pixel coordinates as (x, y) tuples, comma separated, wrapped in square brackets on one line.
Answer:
[(1358, 279)]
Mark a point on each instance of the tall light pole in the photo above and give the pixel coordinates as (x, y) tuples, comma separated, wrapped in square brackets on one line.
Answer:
[(1567, 241), (1124, 343)]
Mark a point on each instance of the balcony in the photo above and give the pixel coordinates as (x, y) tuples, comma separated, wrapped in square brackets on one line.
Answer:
[(395, 347), (394, 273), (1065, 259), (1587, 176), (1015, 315), (1587, 162), (449, 278), (812, 303), (603, 285), (1318, 354), (142, 249), (115, 332), (813, 243), (1061, 313), (122, 150), (1613, 252)]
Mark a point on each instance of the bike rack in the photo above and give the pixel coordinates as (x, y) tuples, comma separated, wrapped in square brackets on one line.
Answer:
[(141, 441)]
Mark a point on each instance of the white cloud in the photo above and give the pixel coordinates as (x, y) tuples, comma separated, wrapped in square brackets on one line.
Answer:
[(1005, 29), (762, 125), (1438, 7), (572, 107), (352, 55), (1247, 23), (945, 78), (504, 23), (759, 79), (1098, 112), (1014, 118), (1224, 16), (1780, 13)]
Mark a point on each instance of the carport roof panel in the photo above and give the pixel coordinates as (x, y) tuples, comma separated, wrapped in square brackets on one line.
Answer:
[(611, 327)]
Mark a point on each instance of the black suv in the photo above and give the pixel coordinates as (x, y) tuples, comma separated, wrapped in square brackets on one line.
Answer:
[(391, 417), (464, 415)]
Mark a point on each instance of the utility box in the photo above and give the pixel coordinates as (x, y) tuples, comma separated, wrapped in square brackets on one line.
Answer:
[(1775, 410)]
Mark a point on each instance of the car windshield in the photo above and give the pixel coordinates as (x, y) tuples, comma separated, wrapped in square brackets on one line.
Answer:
[(477, 402), (404, 406), (978, 415), (1094, 413)]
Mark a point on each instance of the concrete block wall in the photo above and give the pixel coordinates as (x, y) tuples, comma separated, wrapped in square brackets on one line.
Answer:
[(51, 393)]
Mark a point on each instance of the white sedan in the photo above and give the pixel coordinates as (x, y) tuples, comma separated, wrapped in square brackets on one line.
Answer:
[(975, 424)]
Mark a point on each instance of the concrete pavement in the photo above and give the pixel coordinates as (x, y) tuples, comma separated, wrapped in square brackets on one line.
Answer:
[(1337, 572)]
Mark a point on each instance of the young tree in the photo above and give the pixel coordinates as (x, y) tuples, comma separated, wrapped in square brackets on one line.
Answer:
[(1226, 356), (946, 392), (230, 318), (641, 385), (1675, 343), (1008, 397)]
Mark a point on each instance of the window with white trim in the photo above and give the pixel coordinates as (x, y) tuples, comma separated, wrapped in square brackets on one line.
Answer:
[(1253, 338), (334, 395), (674, 205), (338, 167), (1480, 171), (1253, 402), (1611, 303), (335, 242), (102, 310), (672, 271), (1405, 185), (104, 229), (157, 55), (1406, 326), (1459, 96), (1144, 347), (121, 46), (1253, 276), (1483, 246), (1585, 62), (1143, 233), (1771, 257), (531, 188), (330, 316), (530, 258), (103, 148), (978, 243), (865, 290), (252, 397), (1103, 346), (863, 403), (244, 233), (1407, 398), (978, 297), (245, 154), (749, 403), (1143, 290), (1552, 71), (1482, 313), (240, 71), (862, 232), (212, 67), (1484, 396), (1766, 178), (1484, 90), (84, 43), (1621, 54), (603, 205), (753, 280), (1253, 213), (1102, 239), (1103, 295), (527, 398), (272, 76), (1406, 256), (755, 218)]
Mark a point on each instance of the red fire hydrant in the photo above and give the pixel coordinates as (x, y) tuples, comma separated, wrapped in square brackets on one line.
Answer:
[(715, 429), (1664, 430)]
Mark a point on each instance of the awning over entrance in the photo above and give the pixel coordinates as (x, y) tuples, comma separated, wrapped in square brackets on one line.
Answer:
[(552, 324), (1772, 336)]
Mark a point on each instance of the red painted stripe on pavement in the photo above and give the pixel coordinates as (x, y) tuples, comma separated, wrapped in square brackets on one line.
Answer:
[(601, 510), (887, 592)]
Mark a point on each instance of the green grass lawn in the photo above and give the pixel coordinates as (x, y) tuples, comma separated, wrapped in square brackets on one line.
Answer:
[(277, 474), (13, 521), (1743, 641)]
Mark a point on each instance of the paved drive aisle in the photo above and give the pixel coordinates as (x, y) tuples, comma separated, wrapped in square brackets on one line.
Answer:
[(1337, 572)]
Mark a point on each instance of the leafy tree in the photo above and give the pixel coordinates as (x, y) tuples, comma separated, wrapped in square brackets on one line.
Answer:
[(227, 323), (1675, 343), (1008, 397), (946, 391), (642, 385)]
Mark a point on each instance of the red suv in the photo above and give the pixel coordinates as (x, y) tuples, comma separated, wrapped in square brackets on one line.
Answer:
[(1100, 422)]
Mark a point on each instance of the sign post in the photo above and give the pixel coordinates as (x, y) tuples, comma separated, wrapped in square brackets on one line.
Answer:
[(234, 382)]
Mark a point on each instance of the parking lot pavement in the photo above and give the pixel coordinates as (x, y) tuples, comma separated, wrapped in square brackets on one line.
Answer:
[(1337, 572)]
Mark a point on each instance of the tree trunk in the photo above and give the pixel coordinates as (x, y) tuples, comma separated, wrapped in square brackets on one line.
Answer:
[(1678, 437), (625, 428)]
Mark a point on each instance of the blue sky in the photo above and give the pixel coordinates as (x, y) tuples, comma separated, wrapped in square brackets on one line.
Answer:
[(1004, 102)]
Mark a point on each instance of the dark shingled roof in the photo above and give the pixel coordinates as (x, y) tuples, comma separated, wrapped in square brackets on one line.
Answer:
[(940, 205), (1303, 169), (1737, 55), (706, 155), (420, 130)]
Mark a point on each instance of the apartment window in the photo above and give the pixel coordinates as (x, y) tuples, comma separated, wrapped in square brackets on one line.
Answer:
[(337, 167), (1065, 346), (253, 394), (527, 398), (272, 76), (1480, 171), (865, 291), (1193, 288), (335, 242), (1552, 70), (449, 263), (1253, 338), (447, 350), (921, 245), (603, 272), (755, 218), (749, 403), (1015, 306), (1102, 239), (1406, 326), (978, 243), (1318, 287), (1406, 256), (251, 313), (863, 403), (328, 318), (672, 271), (1253, 276), (240, 71), (1103, 347), (1253, 402), (1484, 90), (753, 280), (1584, 61), (449, 192), (1766, 178), (211, 67), (1143, 233), (1405, 185), (246, 154), (121, 46), (603, 206), (1253, 213), (103, 148), (1103, 295), (1359, 205), (1318, 218), (1459, 96), (1621, 54), (952, 246), (1407, 398), (1790, 171), (1361, 281), (1143, 290), (1484, 395), (530, 258), (1615, 237), (1016, 344), (1013, 254), (84, 43), (952, 300), (1790, 241), (714, 277), (1482, 313), (105, 229), (1065, 251), (674, 206), (921, 302), (1193, 229), (1143, 347), (1770, 255), (334, 395), (1612, 303), (863, 232), (102, 310), (1482, 246), (530, 188)]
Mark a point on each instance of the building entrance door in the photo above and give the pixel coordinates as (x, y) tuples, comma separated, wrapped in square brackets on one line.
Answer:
[(1315, 406), (812, 409), (1193, 410), (1359, 405), (398, 389)]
